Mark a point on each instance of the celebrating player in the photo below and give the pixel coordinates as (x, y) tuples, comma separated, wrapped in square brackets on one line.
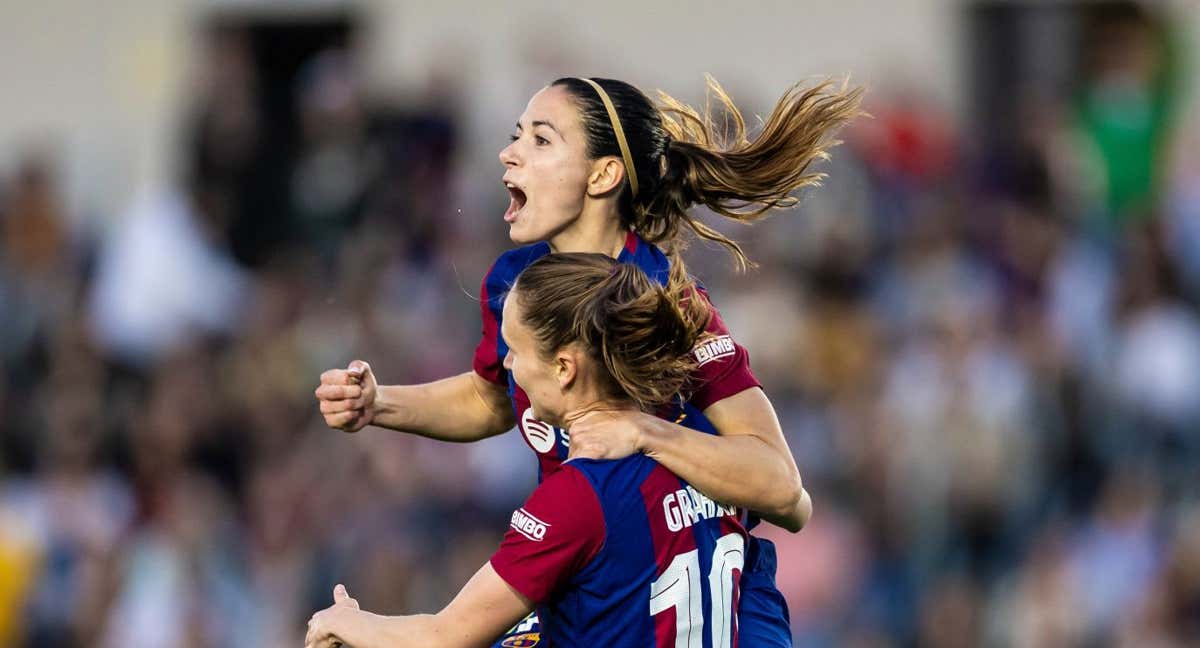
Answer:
[(612, 552), (594, 166)]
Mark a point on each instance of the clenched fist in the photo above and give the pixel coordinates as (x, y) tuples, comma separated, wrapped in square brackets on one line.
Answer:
[(347, 397)]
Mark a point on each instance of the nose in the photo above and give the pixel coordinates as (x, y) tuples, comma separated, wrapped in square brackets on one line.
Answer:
[(508, 361), (508, 155)]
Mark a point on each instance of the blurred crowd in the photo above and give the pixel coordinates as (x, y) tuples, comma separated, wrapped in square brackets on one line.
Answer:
[(985, 353)]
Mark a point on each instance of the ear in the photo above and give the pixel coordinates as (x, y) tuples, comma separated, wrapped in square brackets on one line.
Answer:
[(607, 174), (566, 368)]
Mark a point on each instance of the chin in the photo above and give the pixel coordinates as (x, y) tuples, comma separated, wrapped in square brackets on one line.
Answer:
[(522, 233), (545, 417), (519, 236)]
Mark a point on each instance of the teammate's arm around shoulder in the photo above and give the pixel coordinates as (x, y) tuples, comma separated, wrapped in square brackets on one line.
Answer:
[(459, 408), (748, 419), (748, 464)]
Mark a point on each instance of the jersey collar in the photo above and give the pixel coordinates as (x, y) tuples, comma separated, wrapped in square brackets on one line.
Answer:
[(632, 243)]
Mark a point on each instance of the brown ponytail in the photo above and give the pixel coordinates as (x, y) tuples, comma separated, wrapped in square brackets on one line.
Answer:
[(641, 333), (681, 158), (734, 176)]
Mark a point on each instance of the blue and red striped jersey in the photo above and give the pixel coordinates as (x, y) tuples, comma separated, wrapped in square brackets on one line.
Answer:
[(724, 365), (625, 553)]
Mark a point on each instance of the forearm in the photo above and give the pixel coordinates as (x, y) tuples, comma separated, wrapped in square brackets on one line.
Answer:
[(369, 630), (794, 519), (741, 470), (474, 619), (461, 408)]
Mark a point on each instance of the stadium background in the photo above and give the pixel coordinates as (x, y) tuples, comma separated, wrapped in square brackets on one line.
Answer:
[(982, 335)]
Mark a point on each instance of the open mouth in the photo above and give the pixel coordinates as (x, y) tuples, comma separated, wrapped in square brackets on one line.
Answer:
[(516, 201)]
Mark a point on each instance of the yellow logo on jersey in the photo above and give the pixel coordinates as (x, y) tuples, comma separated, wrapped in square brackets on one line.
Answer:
[(527, 640)]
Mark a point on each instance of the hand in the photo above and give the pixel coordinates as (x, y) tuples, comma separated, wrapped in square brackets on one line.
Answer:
[(324, 626), (607, 434), (347, 397)]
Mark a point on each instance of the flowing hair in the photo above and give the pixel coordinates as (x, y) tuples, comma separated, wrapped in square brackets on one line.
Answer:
[(682, 157)]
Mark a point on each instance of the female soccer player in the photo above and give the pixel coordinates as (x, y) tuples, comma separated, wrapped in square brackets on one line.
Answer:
[(594, 166), (611, 552)]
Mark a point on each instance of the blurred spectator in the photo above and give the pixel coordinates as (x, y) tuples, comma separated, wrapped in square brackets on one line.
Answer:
[(165, 275), (334, 166), (79, 509), (1115, 559), (180, 580), (34, 236), (1040, 607), (1126, 106), (991, 398), (162, 279), (38, 262)]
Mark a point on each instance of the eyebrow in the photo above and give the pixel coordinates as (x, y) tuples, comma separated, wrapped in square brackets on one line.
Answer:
[(540, 122)]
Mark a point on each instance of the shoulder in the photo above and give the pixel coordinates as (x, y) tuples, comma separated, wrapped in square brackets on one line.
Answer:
[(650, 258), (655, 263), (569, 476), (568, 501), (503, 274), (608, 475), (508, 265)]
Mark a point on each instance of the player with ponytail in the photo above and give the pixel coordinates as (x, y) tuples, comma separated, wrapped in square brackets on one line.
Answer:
[(595, 166)]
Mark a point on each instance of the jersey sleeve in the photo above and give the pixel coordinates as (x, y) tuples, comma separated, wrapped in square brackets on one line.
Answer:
[(552, 537), (489, 353), (724, 365)]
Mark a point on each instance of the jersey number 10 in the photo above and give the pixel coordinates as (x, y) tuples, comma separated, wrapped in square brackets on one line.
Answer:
[(679, 587)]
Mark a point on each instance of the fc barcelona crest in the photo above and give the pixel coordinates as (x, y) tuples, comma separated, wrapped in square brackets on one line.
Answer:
[(527, 640)]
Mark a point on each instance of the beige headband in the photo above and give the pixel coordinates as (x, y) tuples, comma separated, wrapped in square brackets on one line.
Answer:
[(630, 172)]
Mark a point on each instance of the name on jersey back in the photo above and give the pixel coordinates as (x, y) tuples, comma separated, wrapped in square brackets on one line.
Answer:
[(687, 506)]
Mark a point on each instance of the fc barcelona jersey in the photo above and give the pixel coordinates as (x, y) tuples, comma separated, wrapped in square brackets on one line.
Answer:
[(723, 365), (625, 553)]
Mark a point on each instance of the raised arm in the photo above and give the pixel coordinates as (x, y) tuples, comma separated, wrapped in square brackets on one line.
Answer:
[(748, 464), (467, 407), (482, 611), (460, 408)]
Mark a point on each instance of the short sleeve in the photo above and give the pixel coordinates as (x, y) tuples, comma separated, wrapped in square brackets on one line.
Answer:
[(552, 537), (723, 364), (489, 356)]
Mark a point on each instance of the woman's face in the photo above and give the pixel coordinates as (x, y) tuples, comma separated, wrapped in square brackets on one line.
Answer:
[(546, 168), (538, 376)]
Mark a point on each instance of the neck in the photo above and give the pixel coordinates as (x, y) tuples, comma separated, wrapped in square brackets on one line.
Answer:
[(586, 395), (598, 229), (581, 410)]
